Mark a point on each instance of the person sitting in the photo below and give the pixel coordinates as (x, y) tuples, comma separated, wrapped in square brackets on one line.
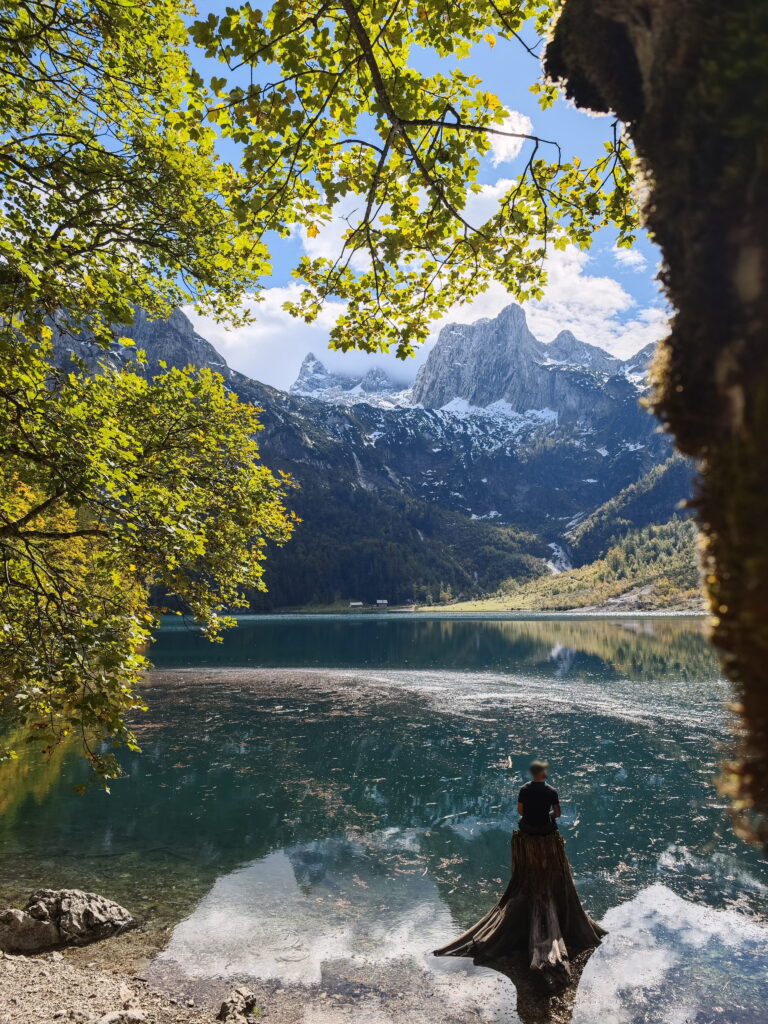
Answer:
[(538, 803)]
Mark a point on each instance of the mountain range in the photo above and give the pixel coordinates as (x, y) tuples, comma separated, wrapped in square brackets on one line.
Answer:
[(507, 459)]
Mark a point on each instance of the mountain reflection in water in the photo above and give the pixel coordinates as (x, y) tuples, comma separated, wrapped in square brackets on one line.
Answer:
[(640, 648)]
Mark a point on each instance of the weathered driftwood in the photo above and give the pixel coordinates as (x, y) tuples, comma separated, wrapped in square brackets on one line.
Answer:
[(540, 912)]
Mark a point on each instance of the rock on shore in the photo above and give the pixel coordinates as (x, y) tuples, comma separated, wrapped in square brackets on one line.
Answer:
[(61, 917)]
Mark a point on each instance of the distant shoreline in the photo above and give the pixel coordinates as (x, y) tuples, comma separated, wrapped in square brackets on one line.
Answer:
[(448, 613)]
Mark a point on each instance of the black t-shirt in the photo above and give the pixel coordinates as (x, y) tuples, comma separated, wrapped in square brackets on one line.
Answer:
[(537, 799)]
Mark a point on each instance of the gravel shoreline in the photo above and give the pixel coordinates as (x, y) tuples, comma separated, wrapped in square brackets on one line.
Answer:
[(85, 984), (66, 987)]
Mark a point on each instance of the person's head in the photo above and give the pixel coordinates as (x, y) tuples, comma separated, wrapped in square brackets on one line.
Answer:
[(538, 770)]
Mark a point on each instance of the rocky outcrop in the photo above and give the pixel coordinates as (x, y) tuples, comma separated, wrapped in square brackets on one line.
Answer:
[(500, 360), (61, 917), (240, 1008), (566, 348), (483, 363), (173, 341)]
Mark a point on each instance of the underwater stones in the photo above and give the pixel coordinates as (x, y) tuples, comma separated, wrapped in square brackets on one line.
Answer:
[(61, 917)]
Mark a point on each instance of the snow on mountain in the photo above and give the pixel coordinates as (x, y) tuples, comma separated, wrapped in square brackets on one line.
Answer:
[(500, 360), (636, 367), (566, 349), (500, 433), (495, 369), (374, 387)]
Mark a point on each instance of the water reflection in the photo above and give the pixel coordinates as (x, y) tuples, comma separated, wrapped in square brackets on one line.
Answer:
[(332, 827), (335, 915), (670, 960), (640, 648)]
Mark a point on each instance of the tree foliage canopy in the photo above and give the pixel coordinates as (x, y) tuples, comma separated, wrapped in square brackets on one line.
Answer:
[(112, 485), (337, 123), (112, 196)]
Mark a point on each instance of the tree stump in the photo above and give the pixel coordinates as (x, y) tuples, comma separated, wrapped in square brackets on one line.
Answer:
[(539, 1000), (540, 912)]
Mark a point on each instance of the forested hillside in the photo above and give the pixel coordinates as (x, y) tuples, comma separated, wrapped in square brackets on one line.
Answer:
[(357, 546), (651, 568), (651, 499)]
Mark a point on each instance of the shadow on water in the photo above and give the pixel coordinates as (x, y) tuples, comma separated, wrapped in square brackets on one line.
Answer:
[(360, 817)]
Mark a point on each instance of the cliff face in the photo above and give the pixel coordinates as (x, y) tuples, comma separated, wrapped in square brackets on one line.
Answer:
[(375, 386), (173, 341), (482, 363), (500, 360)]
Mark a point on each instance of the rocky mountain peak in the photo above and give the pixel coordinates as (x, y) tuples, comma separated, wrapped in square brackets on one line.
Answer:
[(316, 381), (312, 377), (636, 367), (499, 360), (377, 381), (566, 348), (478, 362), (174, 342)]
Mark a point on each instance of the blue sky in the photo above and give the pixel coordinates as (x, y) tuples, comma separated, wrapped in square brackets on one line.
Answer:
[(606, 297)]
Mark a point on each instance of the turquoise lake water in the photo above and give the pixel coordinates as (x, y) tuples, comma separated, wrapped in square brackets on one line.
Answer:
[(323, 800)]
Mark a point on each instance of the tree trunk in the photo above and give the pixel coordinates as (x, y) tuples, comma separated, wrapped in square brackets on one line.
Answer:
[(540, 912), (689, 79)]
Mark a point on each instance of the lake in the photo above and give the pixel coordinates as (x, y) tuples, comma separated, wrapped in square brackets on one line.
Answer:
[(322, 800)]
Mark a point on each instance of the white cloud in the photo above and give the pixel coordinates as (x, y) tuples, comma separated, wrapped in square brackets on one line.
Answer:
[(597, 308), (482, 205), (272, 348), (505, 148), (329, 240), (630, 259)]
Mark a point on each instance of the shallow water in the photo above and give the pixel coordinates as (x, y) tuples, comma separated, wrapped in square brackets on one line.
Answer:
[(327, 820)]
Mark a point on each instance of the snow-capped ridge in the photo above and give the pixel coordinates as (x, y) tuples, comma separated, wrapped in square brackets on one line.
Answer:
[(497, 368), (500, 360), (375, 386)]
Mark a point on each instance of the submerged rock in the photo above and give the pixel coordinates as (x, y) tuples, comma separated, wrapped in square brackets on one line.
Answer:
[(61, 917)]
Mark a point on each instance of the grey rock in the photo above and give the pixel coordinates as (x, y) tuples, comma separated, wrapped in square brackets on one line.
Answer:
[(173, 341), (238, 1007), (375, 387), (430, 471), (122, 1017), (567, 349), (61, 917), (500, 360)]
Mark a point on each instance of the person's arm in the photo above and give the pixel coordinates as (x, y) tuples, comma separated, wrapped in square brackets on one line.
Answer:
[(556, 812), (520, 808)]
